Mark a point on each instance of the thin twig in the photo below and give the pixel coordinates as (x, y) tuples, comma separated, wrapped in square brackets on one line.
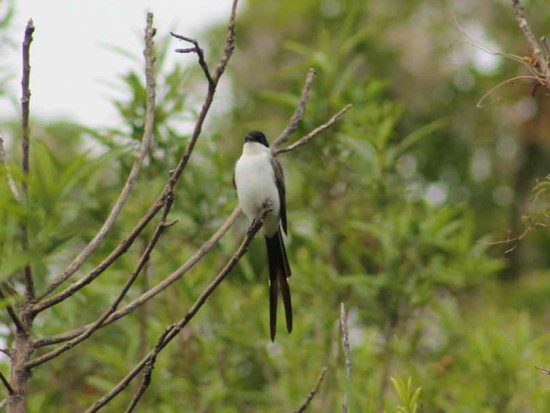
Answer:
[(148, 371), (252, 230), (200, 54), (11, 181), (313, 392), (174, 177), (114, 305), (305, 139), (134, 172), (514, 240), (6, 383), (480, 103), (542, 370), (25, 145), (298, 112), (347, 352)]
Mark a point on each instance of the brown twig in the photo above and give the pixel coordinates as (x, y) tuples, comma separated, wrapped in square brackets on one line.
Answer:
[(11, 181), (305, 139), (148, 371), (347, 352), (25, 145), (298, 112), (542, 370), (174, 330), (200, 54), (174, 176), (6, 384), (114, 305), (509, 240), (313, 392)]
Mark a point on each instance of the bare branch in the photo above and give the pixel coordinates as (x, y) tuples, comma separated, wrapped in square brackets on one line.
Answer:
[(6, 384), (11, 181), (174, 177), (176, 328), (305, 139), (347, 352), (25, 145), (313, 392), (200, 54), (121, 248), (114, 305), (134, 172), (543, 370), (139, 301), (220, 69), (298, 113)]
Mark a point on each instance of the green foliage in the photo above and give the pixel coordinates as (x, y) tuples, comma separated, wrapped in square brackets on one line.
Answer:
[(408, 398), (379, 219)]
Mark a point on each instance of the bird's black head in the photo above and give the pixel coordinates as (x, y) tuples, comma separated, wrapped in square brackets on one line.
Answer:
[(256, 136)]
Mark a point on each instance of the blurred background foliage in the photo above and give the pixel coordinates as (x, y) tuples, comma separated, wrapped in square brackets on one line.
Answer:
[(391, 212)]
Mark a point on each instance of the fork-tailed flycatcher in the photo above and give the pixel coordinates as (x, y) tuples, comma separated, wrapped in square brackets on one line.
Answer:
[(259, 178)]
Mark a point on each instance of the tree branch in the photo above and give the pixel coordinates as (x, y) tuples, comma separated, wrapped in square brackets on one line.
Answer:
[(313, 392), (114, 305), (298, 112), (174, 177), (134, 172), (200, 54), (174, 329), (25, 145), (305, 139), (139, 301)]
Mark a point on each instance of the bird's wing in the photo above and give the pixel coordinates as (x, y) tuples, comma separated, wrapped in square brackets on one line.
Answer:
[(280, 182)]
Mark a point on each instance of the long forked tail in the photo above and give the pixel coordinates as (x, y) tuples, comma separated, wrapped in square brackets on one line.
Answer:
[(279, 271)]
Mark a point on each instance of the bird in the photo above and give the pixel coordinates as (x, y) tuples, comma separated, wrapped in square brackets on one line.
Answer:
[(258, 178)]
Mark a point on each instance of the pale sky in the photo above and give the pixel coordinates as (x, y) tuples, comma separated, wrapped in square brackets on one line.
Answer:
[(70, 65)]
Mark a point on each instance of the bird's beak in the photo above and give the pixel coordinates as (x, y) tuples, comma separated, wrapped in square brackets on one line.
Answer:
[(248, 138)]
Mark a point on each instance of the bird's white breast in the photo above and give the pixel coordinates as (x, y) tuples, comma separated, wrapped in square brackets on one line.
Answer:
[(255, 182)]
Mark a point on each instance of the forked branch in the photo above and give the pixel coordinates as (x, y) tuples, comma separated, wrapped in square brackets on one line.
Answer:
[(175, 175)]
